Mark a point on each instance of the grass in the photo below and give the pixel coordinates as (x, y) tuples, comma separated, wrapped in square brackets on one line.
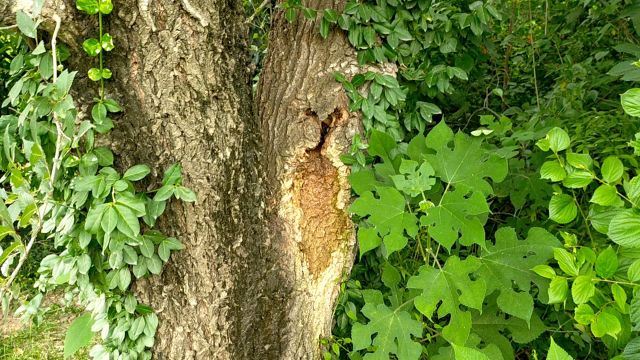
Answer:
[(39, 342)]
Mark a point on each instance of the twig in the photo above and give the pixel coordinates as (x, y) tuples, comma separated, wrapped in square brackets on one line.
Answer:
[(56, 18), (257, 10), (533, 56)]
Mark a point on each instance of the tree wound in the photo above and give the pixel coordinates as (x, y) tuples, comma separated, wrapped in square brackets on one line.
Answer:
[(324, 224)]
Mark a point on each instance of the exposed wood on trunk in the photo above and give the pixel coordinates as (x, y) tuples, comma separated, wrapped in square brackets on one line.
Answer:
[(269, 239), (306, 125)]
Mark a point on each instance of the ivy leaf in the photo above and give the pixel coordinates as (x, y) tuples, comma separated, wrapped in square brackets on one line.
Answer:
[(391, 329), (457, 214), (509, 261), (445, 289), (557, 353), (387, 214), (137, 172), (165, 247), (467, 164), (128, 222), (109, 220), (184, 194)]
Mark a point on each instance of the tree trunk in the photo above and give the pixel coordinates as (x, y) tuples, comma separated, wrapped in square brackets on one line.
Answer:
[(182, 71), (269, 239), (305, 126)]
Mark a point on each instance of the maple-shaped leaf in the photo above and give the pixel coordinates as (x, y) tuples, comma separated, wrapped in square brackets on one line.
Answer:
[(387, 214), (467, 164), (414, 180), (391, 329), (491, 323), (445, 289), (509, 262), (457, 216)]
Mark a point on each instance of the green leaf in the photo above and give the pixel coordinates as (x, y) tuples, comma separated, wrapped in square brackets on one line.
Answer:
[(558, 290), (605, 324), (331, 15), (619, 296), (579, 161), (577, 179), (553, 171), (128, 222), (467, 164), (94, 218), (605, 195), (562, 208), (387, 214), (147, 248), (164, 193), (290, 14), (509, 261), (94, 74), (445, 290), (78, 335), (88, 6), (137, 172), (557, 353), (631, 101), (412, 180), (26, 24), (105, 6), (612, 169), (584, 314), (566, 261), (457, 217), (633, 272), (172, 175), (624, 229), (324, 27), (558, 139), (607, 263), (106, 42), (109, 219), (184, 194), (310, 13), (165, 247), (92, 47), (368, 239), (465, 353), (124, 278), (582, 289), (390, 328)]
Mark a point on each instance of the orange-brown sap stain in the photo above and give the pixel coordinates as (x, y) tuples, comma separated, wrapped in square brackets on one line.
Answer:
[(323, 225)]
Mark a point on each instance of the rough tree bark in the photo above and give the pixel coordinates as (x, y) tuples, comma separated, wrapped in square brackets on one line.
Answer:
[(269, 239), (305, 126)]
